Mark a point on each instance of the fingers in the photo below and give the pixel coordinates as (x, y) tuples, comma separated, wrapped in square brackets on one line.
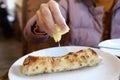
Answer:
[(40, 22), (56, 13), (45, 20), (48, 15)]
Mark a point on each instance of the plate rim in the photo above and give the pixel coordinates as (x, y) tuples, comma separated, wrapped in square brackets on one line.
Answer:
[(106, 41), (117, 59)]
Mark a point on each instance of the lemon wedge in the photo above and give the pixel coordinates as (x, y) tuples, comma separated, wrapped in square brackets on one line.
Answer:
[(58, 33)]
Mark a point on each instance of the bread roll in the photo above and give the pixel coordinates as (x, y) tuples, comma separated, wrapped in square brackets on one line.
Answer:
[(40, 64)]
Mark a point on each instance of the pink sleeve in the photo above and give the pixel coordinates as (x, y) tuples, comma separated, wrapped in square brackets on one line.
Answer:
[(63, 4), (29, 36)]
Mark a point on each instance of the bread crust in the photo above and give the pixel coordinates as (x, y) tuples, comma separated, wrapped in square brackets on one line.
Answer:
[(40, 64)]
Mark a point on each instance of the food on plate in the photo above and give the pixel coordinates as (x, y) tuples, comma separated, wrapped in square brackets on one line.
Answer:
[(74, 60), (58, 33)]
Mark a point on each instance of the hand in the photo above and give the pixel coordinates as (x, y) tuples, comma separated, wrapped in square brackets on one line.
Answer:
[(48, 15)]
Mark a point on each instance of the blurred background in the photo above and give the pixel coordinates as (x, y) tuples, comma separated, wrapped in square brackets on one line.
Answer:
[(10, 34), (14, 15)]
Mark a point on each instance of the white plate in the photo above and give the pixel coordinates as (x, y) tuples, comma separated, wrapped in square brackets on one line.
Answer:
[(112, 43), (108, 69)]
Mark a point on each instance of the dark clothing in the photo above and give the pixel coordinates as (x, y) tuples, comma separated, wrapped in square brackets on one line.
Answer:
[(3, 12), (4, 23)]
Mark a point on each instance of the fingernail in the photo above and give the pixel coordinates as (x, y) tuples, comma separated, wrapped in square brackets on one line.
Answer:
[(63, 27), (52, 31)]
